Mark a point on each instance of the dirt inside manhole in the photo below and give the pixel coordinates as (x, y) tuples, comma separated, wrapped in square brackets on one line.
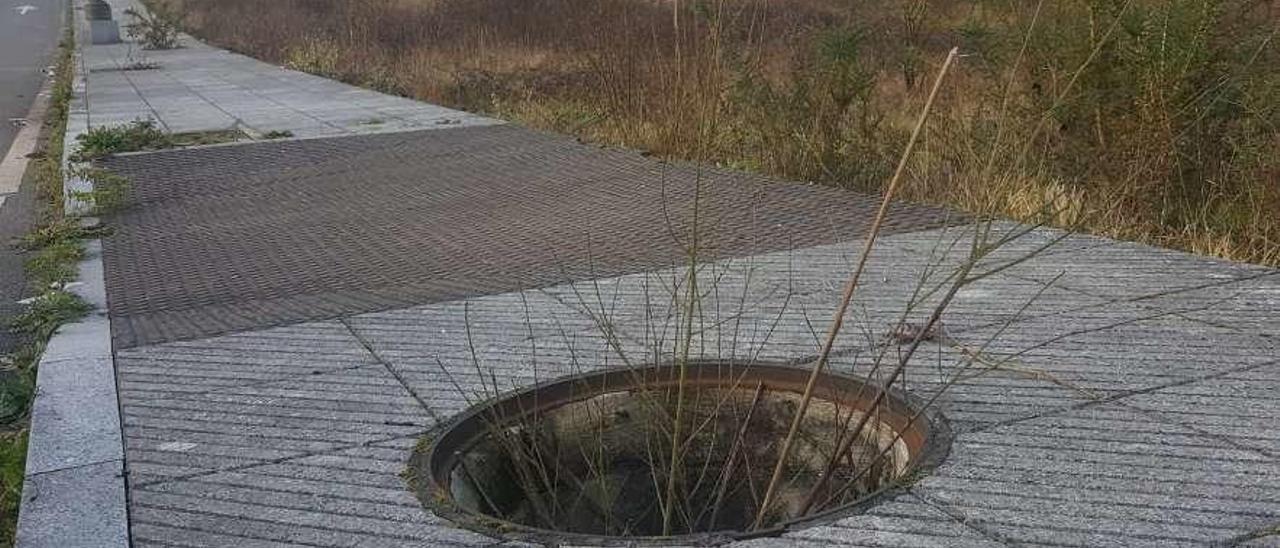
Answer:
[(590, 458)]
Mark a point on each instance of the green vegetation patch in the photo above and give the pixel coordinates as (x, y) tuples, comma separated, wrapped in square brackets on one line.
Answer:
[(55, 265), (13, 458), (48, 311), (158, 26), (144, 135), (109, 190), (203, 138), (132, 137)]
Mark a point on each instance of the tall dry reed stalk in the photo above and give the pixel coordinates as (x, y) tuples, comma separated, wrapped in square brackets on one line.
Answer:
[(851, 285)]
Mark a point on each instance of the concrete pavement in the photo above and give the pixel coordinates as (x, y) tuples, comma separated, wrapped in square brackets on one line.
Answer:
[(1126, 419), (200, 88), (1133, 404)]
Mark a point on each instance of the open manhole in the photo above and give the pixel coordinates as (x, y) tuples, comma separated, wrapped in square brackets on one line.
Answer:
[(588, 459)]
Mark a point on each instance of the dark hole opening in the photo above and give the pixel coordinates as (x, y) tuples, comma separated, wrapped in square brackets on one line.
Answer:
[(593, 455)]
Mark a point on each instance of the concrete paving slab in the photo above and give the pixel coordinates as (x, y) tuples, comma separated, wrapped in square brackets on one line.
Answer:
[(1016, 240), (1270, 541), (446, 353), (200, 88), (1041, 457), (74, 508), (972, 393), (85, 339), (778, 306), (1105, 475), (170, 370), (1129, 270), (1246, 305), (902, 521), (1117, 348), (1241, 406), (75, 416), (198, 434)]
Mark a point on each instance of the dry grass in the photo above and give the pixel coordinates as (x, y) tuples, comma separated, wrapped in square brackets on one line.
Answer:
[(1168, 135)]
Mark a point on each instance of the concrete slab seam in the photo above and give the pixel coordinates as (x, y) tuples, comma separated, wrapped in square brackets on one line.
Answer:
[(1118, 399)]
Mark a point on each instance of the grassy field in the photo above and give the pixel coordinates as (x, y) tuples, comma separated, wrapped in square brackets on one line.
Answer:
[(1152, 120)]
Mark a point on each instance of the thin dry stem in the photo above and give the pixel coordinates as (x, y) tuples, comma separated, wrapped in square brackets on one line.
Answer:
[(850, 287)]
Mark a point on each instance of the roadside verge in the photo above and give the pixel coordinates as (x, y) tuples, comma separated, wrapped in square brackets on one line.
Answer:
[(74, 492)]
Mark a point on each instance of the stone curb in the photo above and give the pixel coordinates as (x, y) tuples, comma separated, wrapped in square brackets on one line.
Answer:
[(77, 124), (74, 491)]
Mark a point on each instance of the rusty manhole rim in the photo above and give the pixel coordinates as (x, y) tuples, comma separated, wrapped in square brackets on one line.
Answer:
[(436, 454)]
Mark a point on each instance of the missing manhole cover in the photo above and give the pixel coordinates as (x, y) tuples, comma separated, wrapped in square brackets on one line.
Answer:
[(588, 459)]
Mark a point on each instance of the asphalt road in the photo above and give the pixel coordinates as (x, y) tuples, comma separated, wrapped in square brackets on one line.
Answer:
[(28, 38)]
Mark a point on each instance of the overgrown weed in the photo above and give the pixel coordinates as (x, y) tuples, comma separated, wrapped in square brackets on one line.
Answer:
[(157, 27), (54, 265), (48, 311), (205, 138), (135, 136), (55, 232), (13, 458), (109, 191)]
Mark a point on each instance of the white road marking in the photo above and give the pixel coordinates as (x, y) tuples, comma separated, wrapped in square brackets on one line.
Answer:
[(176, 446), (25, 9)]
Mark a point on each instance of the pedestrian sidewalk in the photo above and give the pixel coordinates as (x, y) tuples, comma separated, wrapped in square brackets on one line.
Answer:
[(198, 88), (305, 312)]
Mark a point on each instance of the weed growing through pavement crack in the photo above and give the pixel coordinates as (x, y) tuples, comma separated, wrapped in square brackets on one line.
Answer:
[(102, 141)]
